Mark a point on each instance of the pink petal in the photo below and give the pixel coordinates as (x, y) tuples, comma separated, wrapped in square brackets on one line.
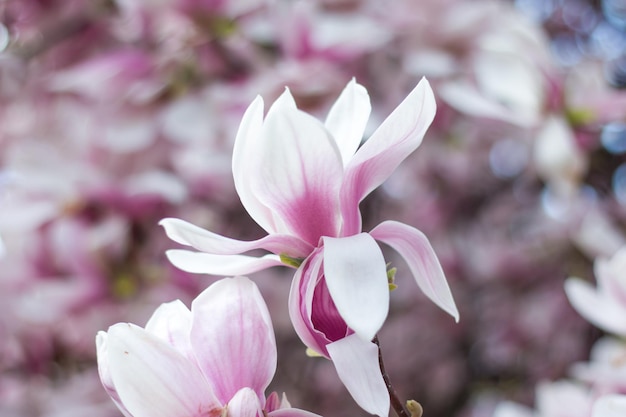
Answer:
[(598, 308), (356, 361), (356, 277), (171, 322), (154, 380), (301, 173), (348, 117), (419, 255), (188, 234), (301, 302), (399, 135), (225, 265), (245, 165), (233, 338), (245, 403)]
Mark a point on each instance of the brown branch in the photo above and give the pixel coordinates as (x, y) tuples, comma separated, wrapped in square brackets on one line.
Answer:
[(397, 405)]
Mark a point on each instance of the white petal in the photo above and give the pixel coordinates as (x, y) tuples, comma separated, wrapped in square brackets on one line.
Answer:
[(171, 322), (399, 135), (356, 277), (598, 308), (245, 164), (610, 406), (419, 255), (154, 380), (348, 117), (356, 361), (245, 403), (203, 240), (207, 263)]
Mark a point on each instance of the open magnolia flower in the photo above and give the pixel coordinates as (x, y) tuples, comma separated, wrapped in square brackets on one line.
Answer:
[(302, 181), (213, 361)]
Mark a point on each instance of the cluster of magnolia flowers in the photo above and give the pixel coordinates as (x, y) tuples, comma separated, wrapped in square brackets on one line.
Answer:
[(302, 181), (597, 386)]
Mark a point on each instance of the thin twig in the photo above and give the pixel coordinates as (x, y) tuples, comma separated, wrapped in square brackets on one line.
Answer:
[(397, 405)]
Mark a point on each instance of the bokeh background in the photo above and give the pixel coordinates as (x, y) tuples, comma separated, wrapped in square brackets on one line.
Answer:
[(117, 113)]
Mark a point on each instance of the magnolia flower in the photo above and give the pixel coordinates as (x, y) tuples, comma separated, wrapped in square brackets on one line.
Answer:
[(302, 181), (213, 361), (605, 306)]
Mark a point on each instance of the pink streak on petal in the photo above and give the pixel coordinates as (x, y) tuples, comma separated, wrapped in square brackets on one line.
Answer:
[(399, 135), (356, 276), (225, 265), (154, 380), (233, 338), (188, 234), (419, 255), (301, 174), (105, 375), (356, 361)]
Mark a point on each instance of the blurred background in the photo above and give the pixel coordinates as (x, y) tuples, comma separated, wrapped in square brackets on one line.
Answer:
[(117, 113)]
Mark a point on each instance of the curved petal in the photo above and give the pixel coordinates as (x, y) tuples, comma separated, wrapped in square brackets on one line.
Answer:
[(105, 375), (599, 309), (356, 277), (301, 302), (154, 380), (207, 263), (419, 255), (613, 405), (356, 361), (245, 164), (348, 117), (244, 403), (399, 135), (171, 322), (301, 173), (188, 234), (233, 338)]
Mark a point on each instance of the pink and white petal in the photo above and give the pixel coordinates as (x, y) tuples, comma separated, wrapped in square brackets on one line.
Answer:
[(301, 302), (612, 405), (301, 174), (236, 348), (356, 362), (420, 256), (598, 308), (245, 165), (203, 240), (399, 135), (348, 117), (292, 412), (154, 380), (245, 403), (171, 322), (356, 277), (225, 265), (105, 375)]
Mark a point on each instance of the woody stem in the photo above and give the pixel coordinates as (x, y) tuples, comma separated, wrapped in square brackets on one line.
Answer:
[(397, 405)]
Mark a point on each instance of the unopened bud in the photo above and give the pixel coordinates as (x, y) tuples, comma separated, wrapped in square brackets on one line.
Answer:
[(414, 408)]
